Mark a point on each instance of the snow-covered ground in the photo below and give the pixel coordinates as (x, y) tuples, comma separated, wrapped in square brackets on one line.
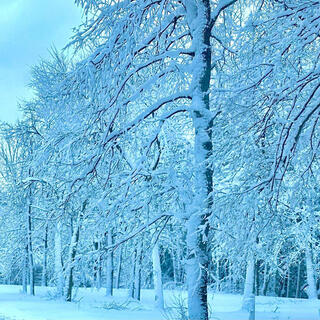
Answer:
[(93, 305)]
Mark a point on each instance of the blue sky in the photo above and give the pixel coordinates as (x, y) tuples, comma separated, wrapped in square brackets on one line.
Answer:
[(27, 29)]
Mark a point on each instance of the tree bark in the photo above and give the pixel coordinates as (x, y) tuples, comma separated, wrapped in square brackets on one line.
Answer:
[(133, 272), (70, 263), (257, 278), (265, 279), (119, 265), (25, 271), (137, 277), (199, 18), (30, 248), (249, 284), (58, 267), (312, 289), (109, 273), (218, 281), (72, 253), (45, 258), (97, 265), (288, 282), (157, 277), (298, 281)]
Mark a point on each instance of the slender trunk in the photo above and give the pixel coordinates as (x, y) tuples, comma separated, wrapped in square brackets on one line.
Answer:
[(30, 249), (99, 273), (118, 274), (70, 263), (58, 267), (25, 271), (311, 290), (109, 285), (288, 282), (218, 284), (180, 277), (174, 267), (97, 265), (298, 281), (157, 277), (231, 277), (45, 257), (257, 278), (72, 255), (265, 279), (137, 277), (199, 18), (277, 284), (249, 284), (133, 272)]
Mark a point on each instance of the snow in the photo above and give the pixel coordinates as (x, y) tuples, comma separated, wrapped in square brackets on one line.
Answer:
[(91, 304)]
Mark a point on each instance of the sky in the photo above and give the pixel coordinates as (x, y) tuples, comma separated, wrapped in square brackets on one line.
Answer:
[(28, 28)]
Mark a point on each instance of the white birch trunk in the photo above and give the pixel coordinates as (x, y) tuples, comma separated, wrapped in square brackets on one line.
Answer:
[(249, 284), (312, 289), (157, 277)]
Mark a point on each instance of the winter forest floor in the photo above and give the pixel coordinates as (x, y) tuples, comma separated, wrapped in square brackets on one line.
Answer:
[(93, 305)]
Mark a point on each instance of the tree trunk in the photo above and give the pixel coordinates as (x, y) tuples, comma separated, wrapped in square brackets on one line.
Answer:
[(137, 277), (311, 290), (298, 281), (72, 254), (265, 279), (97, 268), (199, 18), (174, 267), (70, 263), (118, 274), (218, 278), (58, 267), (45, 258), (109, 285), (133, 272), (25, 271), (277, 284), (288, 282), (157, 277), (30, 249), (257, 278), (249, 284)]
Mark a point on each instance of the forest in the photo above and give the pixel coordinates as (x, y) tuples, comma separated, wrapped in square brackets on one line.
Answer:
[(171, 146)]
